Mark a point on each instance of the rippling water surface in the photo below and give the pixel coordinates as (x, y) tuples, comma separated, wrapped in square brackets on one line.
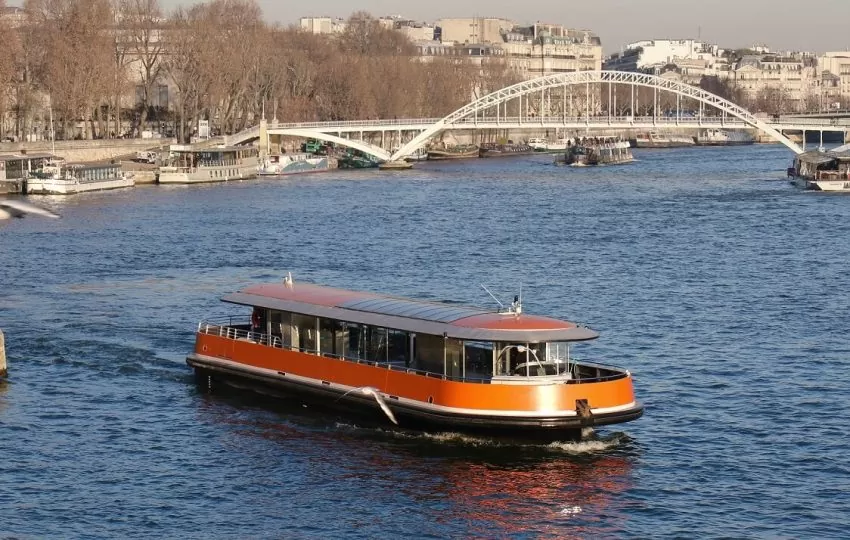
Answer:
[(722, 288)]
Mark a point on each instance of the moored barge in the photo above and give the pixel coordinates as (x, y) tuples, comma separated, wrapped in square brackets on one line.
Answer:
[(463, 151), (418, 364)]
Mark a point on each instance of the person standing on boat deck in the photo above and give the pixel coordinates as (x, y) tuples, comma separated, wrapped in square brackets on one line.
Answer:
[(257, 320)]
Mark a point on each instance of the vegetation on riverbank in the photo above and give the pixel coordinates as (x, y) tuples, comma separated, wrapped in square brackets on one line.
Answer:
[(92, 60)]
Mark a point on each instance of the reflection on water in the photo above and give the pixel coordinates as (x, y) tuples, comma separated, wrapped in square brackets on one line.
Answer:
[(492, 486)]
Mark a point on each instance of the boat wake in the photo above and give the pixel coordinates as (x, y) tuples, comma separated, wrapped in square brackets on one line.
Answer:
[(590, 444)]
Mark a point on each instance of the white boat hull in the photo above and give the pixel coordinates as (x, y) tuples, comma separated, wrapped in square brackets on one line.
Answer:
[(830, 185), (37, 186), (300, 165), (204, 175)]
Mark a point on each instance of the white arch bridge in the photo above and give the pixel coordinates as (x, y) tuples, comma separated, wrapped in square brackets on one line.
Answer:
[(586, 100)]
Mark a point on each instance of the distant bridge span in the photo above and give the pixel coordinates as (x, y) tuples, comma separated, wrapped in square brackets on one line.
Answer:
[(480, 115), (578, 78)]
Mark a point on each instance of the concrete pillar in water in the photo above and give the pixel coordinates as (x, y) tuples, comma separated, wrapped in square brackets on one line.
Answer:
[(2, 355)]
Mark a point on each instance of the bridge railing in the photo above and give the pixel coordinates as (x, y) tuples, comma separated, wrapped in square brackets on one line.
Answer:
[(355, 123), (642, 121)]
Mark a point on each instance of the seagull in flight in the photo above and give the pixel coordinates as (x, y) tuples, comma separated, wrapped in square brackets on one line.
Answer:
[(370, 391), (10, 208)]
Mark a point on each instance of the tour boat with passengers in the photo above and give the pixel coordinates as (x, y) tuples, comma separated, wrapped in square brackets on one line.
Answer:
[(419, 364)]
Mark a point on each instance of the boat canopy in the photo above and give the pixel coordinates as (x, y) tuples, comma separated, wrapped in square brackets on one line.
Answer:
[(417, 316), (815, 157)]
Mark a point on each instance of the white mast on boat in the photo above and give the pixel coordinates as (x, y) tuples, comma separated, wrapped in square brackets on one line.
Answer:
[(52, 131)]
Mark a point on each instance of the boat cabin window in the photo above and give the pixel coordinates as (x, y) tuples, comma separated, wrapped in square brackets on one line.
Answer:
[(523, 359), (478, 359), (454, 358), (332, 335), (280, 326), (398, 348), (428, 353), (304, 332)]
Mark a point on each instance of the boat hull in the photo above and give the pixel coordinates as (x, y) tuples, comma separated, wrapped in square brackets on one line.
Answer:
[(414, 398), (309, 165), (723, 143), (485, 152), (36, 186), (208, 175), (640, 143), (829, 185), (441, 155)]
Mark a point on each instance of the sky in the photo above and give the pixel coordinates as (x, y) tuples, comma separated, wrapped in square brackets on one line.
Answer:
[(809, 25)]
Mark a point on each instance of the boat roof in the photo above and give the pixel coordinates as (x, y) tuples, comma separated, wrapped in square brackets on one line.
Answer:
[(815, 157), (418, 316), (818, 157), (17, 157), (188, 148)]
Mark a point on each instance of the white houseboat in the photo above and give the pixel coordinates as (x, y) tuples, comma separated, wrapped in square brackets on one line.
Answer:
[(59, 178), (654, 139), (186, 164), (723, 137), (16, 168), (545, 145)]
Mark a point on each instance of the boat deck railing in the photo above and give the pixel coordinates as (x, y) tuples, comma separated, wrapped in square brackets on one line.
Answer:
[(233, 332)]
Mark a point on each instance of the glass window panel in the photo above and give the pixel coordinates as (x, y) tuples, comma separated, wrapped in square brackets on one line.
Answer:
[(304, 332), (398, 347), (478, 359), (378, 344), (429, 353), (454, 358)]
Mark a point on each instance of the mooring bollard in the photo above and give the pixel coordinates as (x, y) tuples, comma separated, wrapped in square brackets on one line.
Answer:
[(2, 355)]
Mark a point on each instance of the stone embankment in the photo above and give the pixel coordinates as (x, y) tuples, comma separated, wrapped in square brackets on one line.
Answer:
[(87, 150)]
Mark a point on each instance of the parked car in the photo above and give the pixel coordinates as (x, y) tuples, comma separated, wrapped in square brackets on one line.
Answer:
[(146, 157)]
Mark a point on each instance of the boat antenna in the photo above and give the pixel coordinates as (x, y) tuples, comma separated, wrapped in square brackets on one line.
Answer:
[(493, 296)]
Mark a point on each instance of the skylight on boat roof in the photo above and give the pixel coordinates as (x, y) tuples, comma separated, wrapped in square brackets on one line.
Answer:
[(415, 310)]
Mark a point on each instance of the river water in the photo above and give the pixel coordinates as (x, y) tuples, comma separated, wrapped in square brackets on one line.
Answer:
[(724, 289)]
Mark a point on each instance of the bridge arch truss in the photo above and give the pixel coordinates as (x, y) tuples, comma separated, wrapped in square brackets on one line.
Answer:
[(542, 85)]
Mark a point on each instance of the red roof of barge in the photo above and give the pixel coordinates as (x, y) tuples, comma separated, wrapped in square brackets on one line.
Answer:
[(451, 320)]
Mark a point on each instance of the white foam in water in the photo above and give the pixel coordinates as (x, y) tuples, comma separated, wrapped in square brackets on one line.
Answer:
[(584, 447), (571, 510)]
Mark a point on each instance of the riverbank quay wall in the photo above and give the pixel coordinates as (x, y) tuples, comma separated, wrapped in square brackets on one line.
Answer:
[(86, 150)]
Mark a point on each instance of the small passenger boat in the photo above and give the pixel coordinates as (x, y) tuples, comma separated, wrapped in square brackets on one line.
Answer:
[(190, 165), (822, 170), (597, 152), (418, 364), (59, 178)]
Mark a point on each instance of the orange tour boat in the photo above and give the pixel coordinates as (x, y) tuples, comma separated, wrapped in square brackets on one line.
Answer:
[(417, 364)]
